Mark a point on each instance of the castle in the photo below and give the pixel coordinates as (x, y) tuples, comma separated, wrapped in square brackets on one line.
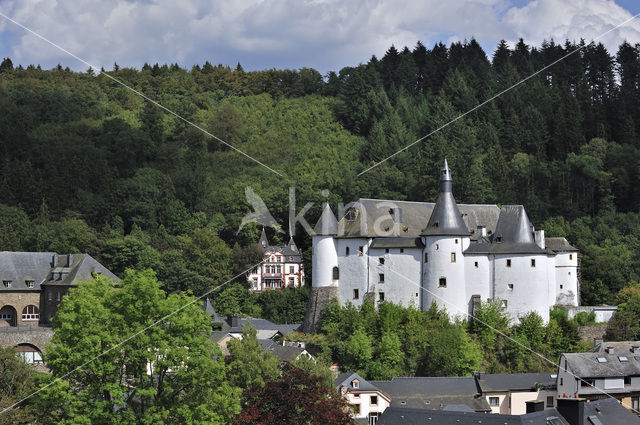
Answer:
[(456, 256)]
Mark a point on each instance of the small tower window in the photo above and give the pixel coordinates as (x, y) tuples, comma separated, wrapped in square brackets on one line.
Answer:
[(346, 251), (570, 256), (361, 250), (533, 262), (510, 286), (443, 282), (6, 283), (381, 277), (426, 257), (456, 241), (504, 304), (475, 264), (401, 250), (381, 260), (509, 263), (356, 294), (336, 273), (386, 251), (453, 257), (381, 295)]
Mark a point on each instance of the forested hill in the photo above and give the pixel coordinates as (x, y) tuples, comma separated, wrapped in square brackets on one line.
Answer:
[(87, 165)]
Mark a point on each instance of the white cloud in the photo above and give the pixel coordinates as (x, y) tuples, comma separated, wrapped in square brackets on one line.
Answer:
[(325, 34)]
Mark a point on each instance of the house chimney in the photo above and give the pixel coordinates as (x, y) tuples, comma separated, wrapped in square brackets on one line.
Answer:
[(572, 409), (610, 349), (534, 406), (539, 236), (482, 231), (635, 349)]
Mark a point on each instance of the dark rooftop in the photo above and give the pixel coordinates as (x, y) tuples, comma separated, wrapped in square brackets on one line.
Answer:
[(516, 381), (407, 416)]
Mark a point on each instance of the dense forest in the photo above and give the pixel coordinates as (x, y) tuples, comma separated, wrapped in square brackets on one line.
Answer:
[(87, 165)]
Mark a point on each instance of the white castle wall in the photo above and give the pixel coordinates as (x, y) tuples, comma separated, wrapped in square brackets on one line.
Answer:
[(402, 272), (530, 286), (439, 265), (566, 275), (324, 259), (353, 269)]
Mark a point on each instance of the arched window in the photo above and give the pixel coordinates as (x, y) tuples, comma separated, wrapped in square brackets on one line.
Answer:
[(29, 353), (336, 273), (30, 312)]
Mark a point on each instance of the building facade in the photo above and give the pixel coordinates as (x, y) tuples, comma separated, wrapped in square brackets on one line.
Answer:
[(282, 266), (418, 253)]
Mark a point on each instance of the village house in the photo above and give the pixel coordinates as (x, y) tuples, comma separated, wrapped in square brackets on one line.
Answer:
[(282, 266), (367, 400), (508, 393), (609, 369)]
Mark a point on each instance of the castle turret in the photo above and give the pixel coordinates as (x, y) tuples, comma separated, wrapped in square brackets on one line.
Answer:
[(325, 274), (445, 237), (263, 242)]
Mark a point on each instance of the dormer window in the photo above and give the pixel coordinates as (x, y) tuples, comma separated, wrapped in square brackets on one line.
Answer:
[(6, 283), (30, 283), (355, 383)]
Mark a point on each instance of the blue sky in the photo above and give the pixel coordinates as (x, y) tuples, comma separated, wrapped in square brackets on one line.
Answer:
[(260, 34)]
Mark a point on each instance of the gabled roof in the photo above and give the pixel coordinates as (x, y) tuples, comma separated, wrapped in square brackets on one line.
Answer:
[(285, 353), (327, 224), (559, 245), (587, 365), (433, 392), (259, 325), (347, 378), (48, 268), (406, 416), (515, 381)]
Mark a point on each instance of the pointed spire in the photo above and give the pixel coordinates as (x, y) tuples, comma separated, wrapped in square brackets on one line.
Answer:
[(264, 242), (446, 218), (292, 244), (327, 224)]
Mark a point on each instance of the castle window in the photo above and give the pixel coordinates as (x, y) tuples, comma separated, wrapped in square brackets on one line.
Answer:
[(57, 296), (381, 295), (336, 273), (475, 264), (453, 257), (533, 262), (570, 256), (456, 241), (504, 304), (426, 257), (386, 250), (30, 283), (401, 250), (30, 312), (510, 286), (509, 263), (381, 260), (560, 286), (381, 277), (346, 251), (6, 283), (437, 247), (361, 250), (443, 282), (356, 294)]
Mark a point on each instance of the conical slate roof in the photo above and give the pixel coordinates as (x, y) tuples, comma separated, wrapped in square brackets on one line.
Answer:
[(263, 242), (327, 224), (292, 244), (446, 218)]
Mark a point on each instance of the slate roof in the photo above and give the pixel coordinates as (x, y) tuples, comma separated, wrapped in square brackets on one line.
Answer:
[(18, 267), (347, 378), (259, 325), (446, 218), (558, 244), (289, 250), (327, 224), (499, 382), (586, 365), (208, 308), (433, 392), (610, 412), (398, 242), (285, 353), (406, 416), (360, 220)]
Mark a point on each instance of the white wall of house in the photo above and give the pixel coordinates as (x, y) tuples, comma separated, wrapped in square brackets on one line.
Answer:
[(401, 274), (566, 267), (363, 399)]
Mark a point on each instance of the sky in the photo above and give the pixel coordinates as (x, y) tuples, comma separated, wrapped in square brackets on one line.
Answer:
[(261, 34)]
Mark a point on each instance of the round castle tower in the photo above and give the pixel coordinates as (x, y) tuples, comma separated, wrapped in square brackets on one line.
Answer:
[(445, 237), (325, 272)]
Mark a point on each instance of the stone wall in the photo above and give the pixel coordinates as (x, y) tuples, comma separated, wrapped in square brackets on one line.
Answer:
[(319, 299), (19, 300), (37, 336)]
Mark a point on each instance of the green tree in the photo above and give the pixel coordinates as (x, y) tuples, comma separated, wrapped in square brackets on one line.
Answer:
[(248, 364), (152, 362), (17, 381)]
